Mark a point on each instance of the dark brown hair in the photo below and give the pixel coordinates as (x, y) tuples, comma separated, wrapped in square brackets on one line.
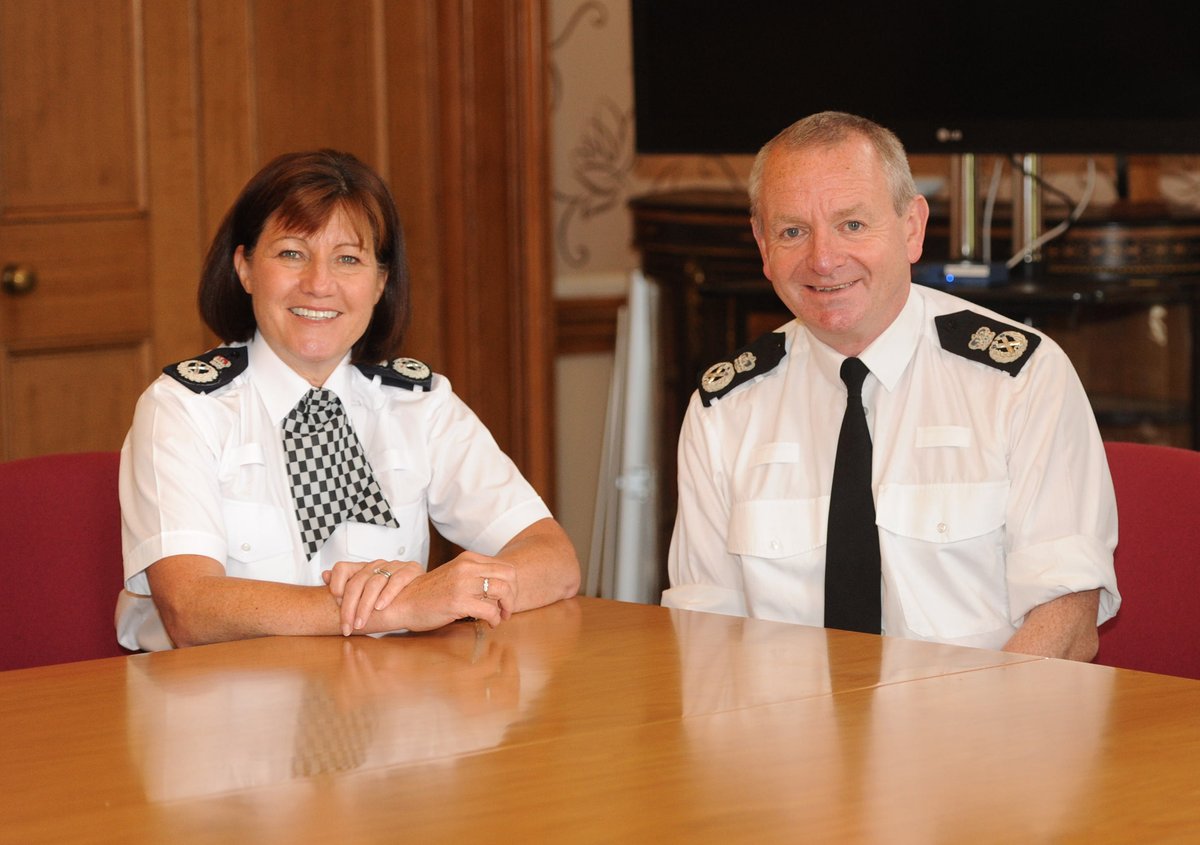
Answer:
[(303, 191)]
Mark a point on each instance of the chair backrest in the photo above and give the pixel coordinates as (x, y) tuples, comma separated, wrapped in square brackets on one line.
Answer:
[(60, 558), (1157, 628)]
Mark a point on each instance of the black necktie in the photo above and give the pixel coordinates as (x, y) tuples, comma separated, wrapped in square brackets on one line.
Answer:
[(852, 551), (330, 477)]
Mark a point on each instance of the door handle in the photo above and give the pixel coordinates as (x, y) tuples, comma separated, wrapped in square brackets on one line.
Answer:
[(18, 279)]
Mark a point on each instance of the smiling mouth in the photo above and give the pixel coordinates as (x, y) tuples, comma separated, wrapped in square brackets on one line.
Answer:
[(313, 314), (831, 288)]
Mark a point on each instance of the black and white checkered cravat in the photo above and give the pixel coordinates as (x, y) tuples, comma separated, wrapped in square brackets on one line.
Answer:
[(331, 479)]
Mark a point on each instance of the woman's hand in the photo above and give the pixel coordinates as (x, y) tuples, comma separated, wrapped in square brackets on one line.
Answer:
[(362, 588), (422, 601), (455, 590)]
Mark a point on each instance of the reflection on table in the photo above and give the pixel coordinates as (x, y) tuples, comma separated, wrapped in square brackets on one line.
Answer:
[(598, 721), (284, 716)]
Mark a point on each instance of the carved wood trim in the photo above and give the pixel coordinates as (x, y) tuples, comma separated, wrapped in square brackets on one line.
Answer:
[(586, 325), (496, 258)]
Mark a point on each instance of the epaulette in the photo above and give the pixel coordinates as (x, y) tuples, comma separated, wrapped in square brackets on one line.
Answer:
[(408, 373), (212, 370), (748, 362), (980, 338)]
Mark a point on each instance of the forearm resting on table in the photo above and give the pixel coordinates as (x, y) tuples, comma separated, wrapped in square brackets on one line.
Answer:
[(546, 562), (1062, 627), (200, 604)]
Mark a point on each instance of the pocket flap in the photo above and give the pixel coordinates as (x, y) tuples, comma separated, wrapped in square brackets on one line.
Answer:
[(942, 513), (390, 459), (775, 453), (247, 453), (255, 531), (931, 436), (777, 528), (365, 541)]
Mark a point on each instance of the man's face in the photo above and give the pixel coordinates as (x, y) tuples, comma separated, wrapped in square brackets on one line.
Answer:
[(832, 244)]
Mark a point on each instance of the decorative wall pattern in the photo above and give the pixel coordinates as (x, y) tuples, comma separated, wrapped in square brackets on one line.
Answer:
[(600, 164), (596, 169)]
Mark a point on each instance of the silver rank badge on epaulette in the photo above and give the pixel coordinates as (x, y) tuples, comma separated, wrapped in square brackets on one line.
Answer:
[(405, 373), (747, 364), (1002, 348), (409, 368), (210, 370), (983, 338), (202, 372)]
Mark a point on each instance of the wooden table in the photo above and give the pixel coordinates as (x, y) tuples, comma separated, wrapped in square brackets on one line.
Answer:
[(597, 721)]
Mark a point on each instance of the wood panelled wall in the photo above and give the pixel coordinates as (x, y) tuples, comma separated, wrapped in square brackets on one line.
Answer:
[(446, 98)]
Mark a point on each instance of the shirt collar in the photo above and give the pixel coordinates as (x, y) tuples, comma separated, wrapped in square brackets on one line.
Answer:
[(888, 355), (280, 386)]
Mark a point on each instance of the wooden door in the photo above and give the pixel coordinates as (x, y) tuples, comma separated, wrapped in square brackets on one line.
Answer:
[(97, 211), (127, 127)]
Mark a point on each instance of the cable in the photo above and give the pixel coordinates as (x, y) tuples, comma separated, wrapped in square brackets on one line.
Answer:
[(1062, 227), (1042, 183), (989, 206)]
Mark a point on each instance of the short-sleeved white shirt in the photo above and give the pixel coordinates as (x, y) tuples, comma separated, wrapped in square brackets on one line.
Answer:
[(992, 491), (205, 474)]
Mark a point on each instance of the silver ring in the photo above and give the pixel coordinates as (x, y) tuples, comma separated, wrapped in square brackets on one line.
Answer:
[(486, 584), (379, 570)]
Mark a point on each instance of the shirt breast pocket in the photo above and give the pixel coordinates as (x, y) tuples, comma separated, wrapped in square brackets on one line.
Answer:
[(259, 540), (944, 547), (780, 543), (408, 541)]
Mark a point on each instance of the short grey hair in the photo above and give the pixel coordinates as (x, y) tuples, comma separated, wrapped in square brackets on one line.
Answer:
[(828, 128)]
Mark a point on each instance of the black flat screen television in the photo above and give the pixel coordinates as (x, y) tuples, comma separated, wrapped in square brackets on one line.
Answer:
[(947, 77)]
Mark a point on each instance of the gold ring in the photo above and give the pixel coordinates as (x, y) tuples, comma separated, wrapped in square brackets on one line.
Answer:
[(486, 584), (379, 570)]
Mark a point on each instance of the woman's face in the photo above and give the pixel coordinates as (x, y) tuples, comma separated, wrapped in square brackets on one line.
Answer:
[(312, 294)]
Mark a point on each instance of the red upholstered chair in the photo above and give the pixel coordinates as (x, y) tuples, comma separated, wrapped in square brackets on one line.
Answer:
[(1157, 628), (60, 558)]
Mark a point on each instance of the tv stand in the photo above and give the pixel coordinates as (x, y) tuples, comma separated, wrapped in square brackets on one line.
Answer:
[(966, 222)]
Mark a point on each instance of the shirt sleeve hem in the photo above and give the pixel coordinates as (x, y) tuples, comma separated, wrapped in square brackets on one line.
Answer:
[(1062, 566), (511, 523), (160, 546), (704, 597)]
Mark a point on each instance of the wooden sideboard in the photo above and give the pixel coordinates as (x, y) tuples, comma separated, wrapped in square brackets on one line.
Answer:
[(1120, 296)]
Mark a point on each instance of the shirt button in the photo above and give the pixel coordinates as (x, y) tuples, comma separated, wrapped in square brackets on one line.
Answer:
[(401, 551), (941, 528), (775, 545), (245, 547)]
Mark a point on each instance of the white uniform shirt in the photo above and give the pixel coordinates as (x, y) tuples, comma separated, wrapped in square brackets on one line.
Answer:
[(992, 492), (205, 474)]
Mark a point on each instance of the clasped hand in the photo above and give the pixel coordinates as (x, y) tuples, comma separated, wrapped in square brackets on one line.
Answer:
[(410, 598)]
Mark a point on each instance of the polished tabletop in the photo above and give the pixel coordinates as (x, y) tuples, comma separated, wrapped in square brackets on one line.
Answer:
[(597, 721)]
